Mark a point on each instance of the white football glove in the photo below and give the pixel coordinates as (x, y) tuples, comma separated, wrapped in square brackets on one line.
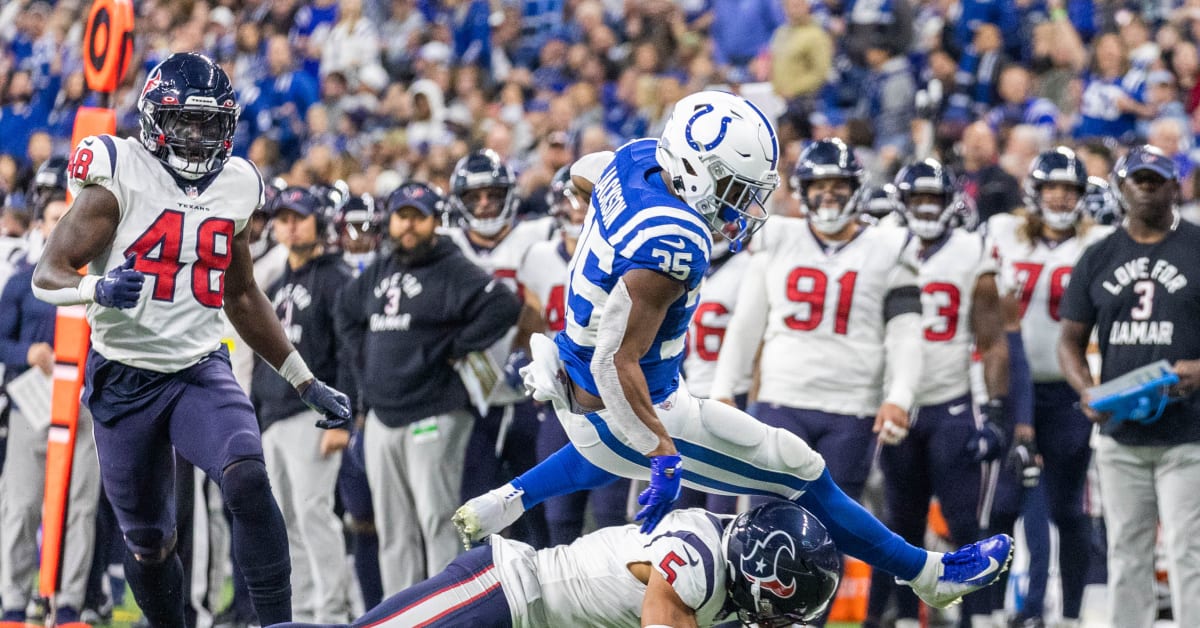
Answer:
[(541, 374)]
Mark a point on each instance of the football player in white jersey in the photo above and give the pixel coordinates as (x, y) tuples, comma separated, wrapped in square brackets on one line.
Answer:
[(1037, 252), (613, 373), (946, 442), (542, 278), (483, 195), (775, 566), (172, 207), (823, 296)]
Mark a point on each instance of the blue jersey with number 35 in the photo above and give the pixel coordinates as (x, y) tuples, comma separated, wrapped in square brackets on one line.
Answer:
[(634, 222)]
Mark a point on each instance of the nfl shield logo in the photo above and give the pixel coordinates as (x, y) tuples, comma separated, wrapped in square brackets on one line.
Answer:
[(191, 191)]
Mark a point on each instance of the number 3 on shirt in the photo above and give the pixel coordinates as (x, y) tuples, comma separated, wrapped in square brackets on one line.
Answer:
[(159, 251)]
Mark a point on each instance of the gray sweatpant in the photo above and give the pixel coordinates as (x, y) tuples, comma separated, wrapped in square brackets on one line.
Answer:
[(415, 474), (1141, 488), (21, 490), (303, 483)]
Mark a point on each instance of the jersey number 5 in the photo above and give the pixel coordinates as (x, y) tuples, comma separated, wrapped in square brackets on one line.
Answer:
[(667, 565), (159, 249)]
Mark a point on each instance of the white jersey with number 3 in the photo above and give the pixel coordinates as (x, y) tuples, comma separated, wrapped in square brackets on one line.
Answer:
[(948, 272), (819, 312), (588, 583), (182, 232), (1038, 272)]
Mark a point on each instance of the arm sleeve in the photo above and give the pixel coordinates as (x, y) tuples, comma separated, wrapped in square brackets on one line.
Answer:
[(745, 330), (13, 352), (592, 165), (350, 323), (488, 308), (903, 336)]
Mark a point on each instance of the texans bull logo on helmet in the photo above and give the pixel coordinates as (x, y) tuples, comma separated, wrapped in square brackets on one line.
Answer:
[(761, 564)]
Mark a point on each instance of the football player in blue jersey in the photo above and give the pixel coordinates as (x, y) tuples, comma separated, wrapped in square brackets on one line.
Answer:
[(613, 373)]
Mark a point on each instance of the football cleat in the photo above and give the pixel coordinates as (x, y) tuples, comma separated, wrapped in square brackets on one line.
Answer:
[(488, 514), (946, 578)]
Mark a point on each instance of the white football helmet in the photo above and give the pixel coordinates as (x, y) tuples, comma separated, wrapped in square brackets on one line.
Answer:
[(721, 154)]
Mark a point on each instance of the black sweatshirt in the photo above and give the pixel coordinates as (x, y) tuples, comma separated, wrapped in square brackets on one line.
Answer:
[(409, 320), (304, 300)]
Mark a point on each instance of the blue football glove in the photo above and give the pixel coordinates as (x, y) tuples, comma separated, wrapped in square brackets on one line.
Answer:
[(329, 402), (121, 287), (517, 360), (656, 501), (989, 442)]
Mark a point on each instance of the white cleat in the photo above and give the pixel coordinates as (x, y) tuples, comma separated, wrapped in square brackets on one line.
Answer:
[(946, 578), (488, 514)]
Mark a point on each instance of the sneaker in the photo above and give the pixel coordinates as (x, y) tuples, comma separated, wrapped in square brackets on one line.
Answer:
[(488, 514), (946, 578)]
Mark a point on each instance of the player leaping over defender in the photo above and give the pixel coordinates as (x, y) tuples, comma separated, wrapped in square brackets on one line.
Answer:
[(634, 283)]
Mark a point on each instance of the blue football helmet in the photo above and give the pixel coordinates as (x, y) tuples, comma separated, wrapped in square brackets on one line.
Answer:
[(828, 159), (563, 198), (1060, 165), (928, 177), (483, 170), (50, 179), (880, 201), (1101, 203), (188, 113), (359, 218), (783, 566)]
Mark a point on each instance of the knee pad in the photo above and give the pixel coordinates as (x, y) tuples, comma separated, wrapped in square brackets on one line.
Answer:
[(150, 545), (796, 455), (246, 487)]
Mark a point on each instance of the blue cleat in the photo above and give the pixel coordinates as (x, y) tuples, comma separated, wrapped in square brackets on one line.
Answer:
[(946, 578)]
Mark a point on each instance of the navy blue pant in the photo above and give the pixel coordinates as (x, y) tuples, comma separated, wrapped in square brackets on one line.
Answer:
[(355, 495), (932, 461), (485, 471), (564, 514), (466, 594), (845, 441), (142, 420), (1063, 432)]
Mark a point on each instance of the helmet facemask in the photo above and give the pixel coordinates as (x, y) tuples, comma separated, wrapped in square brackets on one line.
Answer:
[(830, 220), (191, 139), (1057, 220)]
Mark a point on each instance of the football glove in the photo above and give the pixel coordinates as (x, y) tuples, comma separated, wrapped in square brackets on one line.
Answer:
[(517, 360), (330, 403), (1023, 458), (657, 500), (989, 441), (120, 287)]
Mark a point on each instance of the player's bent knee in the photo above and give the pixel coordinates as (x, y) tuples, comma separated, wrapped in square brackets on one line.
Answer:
[(150, 545), (730, 424), (796, 455), (245, 486)]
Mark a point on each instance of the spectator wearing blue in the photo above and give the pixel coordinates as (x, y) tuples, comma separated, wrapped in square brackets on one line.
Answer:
[(1113, 97), (978, 72), (975, 13), (470, 30), (1162, 94), (741, 30), (883, 22), (277, 105), (26, 110), (312, 24), (889, 101), (1019, 106)]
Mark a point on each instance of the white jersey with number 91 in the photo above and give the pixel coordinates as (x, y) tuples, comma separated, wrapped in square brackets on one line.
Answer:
[(182, 232)]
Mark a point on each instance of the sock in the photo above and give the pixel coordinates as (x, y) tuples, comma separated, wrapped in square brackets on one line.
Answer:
[(366, 567), (66, 615), (259, 540), (565, 471), (158, 589), (858, 533), (1020, 381)]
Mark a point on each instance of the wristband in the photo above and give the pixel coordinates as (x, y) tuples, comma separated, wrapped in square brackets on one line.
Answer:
[(294, 370)]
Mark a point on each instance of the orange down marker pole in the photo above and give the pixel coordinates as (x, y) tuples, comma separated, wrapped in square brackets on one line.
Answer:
[(107, 49)]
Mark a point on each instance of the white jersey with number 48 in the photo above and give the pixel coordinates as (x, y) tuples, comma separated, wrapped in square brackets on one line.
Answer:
[(182, 232)]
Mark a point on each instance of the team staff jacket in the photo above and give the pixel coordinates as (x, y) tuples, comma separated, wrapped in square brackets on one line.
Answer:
[(1144, 300), (406, 322), (304, 300)]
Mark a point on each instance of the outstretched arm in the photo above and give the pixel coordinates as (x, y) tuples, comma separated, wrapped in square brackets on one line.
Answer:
[(632, 316)]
